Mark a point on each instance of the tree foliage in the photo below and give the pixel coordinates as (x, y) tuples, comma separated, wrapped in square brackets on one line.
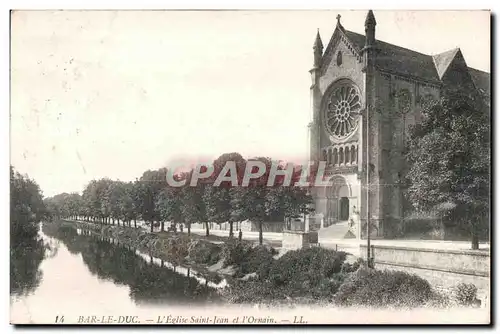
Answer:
[(449, 161)]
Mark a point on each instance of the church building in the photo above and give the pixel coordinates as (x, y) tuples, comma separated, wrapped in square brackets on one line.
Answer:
[(365, 94)]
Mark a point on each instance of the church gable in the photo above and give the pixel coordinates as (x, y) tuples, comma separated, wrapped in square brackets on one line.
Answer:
[(341, 59), (339, 42)]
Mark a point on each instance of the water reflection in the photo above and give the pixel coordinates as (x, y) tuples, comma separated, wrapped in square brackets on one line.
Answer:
[(25, 259), (148, 280)]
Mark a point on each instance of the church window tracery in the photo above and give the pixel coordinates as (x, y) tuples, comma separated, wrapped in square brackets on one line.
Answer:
[(342, 110)]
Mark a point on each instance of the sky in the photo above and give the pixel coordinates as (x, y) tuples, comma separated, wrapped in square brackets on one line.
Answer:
[(114, 93)]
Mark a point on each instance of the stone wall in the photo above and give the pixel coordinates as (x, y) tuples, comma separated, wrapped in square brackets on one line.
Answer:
[(295, 240), (444, 269)]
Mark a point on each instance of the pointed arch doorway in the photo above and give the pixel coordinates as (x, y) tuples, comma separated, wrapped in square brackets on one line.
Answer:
[(338, 201)]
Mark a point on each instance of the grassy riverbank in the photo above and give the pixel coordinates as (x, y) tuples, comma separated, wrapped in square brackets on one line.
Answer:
[(257, 274)]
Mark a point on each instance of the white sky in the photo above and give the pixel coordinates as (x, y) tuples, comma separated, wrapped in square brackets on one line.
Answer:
[(97, 94)]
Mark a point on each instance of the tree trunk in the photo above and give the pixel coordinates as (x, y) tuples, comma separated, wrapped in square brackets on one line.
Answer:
[(207, 230), (260, 233), (189, 229), (475, 241), (231, 229), (162, 226), (152, 223), (135, 223)]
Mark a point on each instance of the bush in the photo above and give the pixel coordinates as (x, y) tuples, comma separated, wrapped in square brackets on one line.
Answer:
[(204, 252), (349, 268), (375, 288), (310, 275), (233, 252), (466, 294), (306, 265), (247, 258), (313, 273)]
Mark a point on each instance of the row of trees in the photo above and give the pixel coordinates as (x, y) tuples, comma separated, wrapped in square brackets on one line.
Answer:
[(152, 200)]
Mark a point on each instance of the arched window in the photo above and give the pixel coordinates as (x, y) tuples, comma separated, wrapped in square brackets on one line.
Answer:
[(347, 155), (339, 58), (335, 157), (341, 156), (353, 154), (325, 156)]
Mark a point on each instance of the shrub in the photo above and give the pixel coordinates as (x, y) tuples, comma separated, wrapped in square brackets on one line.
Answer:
[(349, 268), (375, 288), (204, 252), (233, 252), (311, 275), (258, 259), (466, 294), (313, 272), (306, 265), (174, 248), (247, 258)]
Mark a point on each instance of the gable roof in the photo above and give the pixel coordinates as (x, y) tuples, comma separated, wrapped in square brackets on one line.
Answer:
[(481, 79), (394, 58), (397, 59)]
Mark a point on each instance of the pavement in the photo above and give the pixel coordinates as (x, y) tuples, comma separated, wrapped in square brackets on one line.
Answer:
[(347, 245), (247, 235), (352, 245)]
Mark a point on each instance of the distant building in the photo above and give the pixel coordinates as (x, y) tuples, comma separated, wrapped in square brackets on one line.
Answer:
[(358, 75)]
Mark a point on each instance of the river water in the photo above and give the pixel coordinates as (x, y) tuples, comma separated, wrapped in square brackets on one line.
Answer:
[(83, 275)]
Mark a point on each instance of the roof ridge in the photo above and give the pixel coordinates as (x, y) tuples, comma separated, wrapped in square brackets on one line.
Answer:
[(397, 46), (475, 69)]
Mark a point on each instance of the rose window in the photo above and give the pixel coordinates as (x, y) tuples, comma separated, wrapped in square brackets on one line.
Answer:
[(342, 110)]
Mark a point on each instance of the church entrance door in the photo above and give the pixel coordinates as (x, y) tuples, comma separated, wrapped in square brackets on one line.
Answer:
[(344, 209)]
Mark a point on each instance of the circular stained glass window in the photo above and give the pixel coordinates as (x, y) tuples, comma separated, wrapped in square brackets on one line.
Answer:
[(342, 111)]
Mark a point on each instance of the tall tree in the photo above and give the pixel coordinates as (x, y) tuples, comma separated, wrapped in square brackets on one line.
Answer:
[(27, 249), (250, 202), (168, 205), (27, 208), (192, 205), (217, 197), (449, 161), (151, 184)]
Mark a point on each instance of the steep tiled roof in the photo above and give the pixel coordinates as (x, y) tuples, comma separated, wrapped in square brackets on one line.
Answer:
[(396, 59), (399, 60), (481, 80)]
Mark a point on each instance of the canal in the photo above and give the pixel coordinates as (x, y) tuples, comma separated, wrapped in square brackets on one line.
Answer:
[(85, 275)]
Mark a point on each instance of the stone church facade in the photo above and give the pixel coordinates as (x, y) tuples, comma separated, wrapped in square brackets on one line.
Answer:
[(365, 94)]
